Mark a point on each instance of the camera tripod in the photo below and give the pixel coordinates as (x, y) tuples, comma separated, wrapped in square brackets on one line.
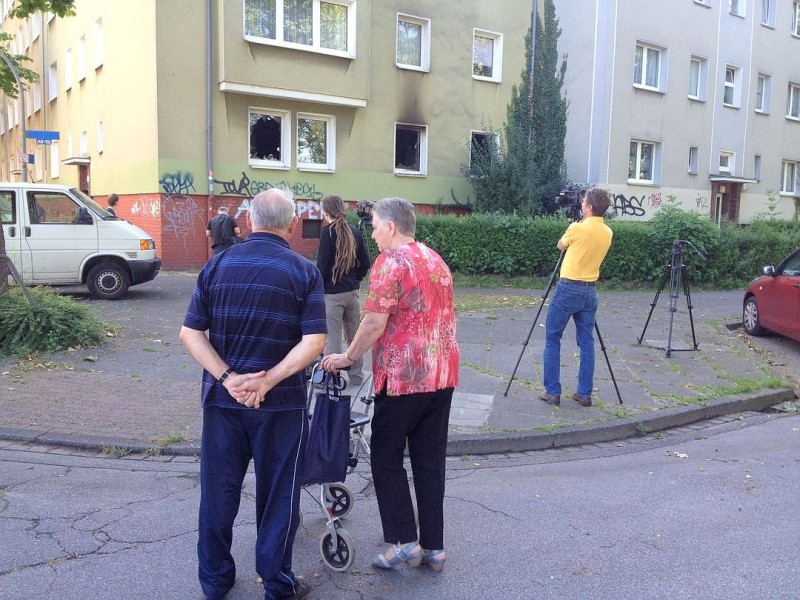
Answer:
[(533, 326), (365, 228), (678, 279)]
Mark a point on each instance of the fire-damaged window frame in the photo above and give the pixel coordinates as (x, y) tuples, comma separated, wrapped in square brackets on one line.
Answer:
[(259, 16), (329, 164), (421, 152), (478, 72), (284, 160)]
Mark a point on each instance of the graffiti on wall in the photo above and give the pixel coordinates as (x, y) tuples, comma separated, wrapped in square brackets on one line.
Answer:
[(182, 215), (247, 187), (623, 206), (702, 203)]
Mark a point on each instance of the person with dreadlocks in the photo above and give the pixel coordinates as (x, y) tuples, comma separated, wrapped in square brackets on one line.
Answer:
[(343, 261)]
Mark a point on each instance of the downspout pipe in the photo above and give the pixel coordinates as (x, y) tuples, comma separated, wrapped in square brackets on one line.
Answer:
[(22, 132), (209, 133)]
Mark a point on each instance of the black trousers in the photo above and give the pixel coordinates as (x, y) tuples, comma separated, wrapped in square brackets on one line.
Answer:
[(420, 420)]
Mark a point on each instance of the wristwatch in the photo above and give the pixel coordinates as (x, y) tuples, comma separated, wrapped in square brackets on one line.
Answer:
[(224, 376)]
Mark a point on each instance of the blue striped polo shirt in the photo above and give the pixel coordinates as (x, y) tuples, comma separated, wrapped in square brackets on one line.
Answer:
[(256, 300)]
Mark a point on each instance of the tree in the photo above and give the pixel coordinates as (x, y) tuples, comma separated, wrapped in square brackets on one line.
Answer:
[(524, 168), (8, 85)]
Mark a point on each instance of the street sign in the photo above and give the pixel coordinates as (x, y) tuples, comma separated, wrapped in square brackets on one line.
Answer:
[(43, 136), (26, 159)]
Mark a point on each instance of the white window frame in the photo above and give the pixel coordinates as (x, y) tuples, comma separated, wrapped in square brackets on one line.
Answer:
[(55, 161), (38, 168), (330, 144), (789, 175), (84, 143), (425, 43), (68, 69), (727, 162), (703, 2), (52, 81), (82, 58), (793, 101), (700, 94), (763, 93), (655, 163), (796, 19), (497, 55), (315, 46), (494, 137), (757, 167), (100, 137), (98, 43), (737, 7), (694, 160), (661, 78), (735, 86), (286, 140), (422, 131), (37, 95), (768, 13), (35, 27)]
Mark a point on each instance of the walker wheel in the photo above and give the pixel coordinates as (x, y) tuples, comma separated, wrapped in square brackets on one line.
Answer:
[(339, 500), (341, 557)]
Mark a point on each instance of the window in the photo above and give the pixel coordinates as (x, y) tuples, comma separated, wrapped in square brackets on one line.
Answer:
[(768, 13), (487, 55), (316, 142), (727, 162), (737, 7), (789, 173), (84, 143), (327, 26), (793, 101), (52, 82), (732, 91), (642, 162), (757, 167), (694, 159), (98, 44), (703, 2), (68, 69), (55, 162), (647, 69), (38, 171), (51, 207), (8, 208), (481, 144), (82, 58), (26, 92), (413, 43), (410, 149), (35, 28), (698, 78), (270, 139), (796, 19), (100, 137), (763, 93)]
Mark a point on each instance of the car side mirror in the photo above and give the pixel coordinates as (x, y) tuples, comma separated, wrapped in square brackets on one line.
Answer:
[(83, 216), (769, 270)]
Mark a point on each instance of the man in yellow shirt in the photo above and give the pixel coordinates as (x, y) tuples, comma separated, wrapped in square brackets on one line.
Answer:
[(585, 244)]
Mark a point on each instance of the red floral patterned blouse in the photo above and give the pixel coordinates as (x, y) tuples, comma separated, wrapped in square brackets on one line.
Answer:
[(418, 351)]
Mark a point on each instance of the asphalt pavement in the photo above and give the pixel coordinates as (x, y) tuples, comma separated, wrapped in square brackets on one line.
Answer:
[(139, 392)]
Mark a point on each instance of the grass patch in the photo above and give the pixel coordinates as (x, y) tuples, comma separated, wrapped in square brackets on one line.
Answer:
[(116, 451)]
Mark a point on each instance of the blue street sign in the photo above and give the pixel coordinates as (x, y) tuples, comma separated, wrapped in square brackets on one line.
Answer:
[(42, 136)]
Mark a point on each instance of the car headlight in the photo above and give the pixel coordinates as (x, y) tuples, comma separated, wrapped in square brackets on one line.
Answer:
[(147, 244)]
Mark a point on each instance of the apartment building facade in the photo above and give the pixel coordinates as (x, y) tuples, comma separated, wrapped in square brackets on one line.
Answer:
[(694, 102), (181, 106)]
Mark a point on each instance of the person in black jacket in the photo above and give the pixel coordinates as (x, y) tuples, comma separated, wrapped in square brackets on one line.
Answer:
[(343, 260), (222, 230)]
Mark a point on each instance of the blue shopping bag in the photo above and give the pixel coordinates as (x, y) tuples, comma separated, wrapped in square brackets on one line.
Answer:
[(328, 446)]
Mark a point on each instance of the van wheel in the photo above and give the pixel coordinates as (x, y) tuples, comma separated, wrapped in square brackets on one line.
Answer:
[(108, 281)]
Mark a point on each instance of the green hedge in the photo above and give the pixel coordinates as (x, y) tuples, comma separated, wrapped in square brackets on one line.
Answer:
[(513, 246)]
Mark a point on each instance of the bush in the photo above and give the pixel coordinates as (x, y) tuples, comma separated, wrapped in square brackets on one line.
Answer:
[(53, 323)]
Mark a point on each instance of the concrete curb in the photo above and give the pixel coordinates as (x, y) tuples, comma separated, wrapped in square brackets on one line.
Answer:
[(607, 431), (467, 444)]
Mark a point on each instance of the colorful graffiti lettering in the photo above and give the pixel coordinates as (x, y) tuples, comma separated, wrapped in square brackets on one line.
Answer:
[(655, 200)]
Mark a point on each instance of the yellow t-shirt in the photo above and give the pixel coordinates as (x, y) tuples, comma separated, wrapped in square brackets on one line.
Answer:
[(587, 244)]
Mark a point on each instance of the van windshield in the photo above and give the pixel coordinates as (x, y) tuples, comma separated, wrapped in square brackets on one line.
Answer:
[(94, 206)]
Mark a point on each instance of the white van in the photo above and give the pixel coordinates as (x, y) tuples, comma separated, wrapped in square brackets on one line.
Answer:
[(57, 235)]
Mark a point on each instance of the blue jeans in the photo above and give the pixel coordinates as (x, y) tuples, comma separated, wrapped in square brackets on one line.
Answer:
[(579, 302)]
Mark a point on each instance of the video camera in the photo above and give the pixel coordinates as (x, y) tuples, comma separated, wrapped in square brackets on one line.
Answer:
[(364, 211), (570, 198)]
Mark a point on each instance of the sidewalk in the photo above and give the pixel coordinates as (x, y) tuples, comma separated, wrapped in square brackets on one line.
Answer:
[(141, 391)]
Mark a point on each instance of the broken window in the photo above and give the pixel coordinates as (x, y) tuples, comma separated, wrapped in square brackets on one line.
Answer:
[(269, 139), (410, 149)]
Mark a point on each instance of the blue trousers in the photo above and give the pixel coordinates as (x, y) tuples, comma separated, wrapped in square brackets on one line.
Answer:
[(275, 441), (579, 302)]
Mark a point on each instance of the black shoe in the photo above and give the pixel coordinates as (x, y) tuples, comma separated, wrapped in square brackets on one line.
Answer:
[(550, 398), (302, 590), (584, 400)]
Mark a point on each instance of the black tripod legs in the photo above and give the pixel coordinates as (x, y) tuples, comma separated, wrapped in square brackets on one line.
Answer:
[(608, 362)]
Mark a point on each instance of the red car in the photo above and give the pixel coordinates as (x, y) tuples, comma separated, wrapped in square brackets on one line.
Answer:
[(772, 301)]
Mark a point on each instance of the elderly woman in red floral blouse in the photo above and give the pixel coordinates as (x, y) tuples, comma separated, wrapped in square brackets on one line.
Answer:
[(411, 325)]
